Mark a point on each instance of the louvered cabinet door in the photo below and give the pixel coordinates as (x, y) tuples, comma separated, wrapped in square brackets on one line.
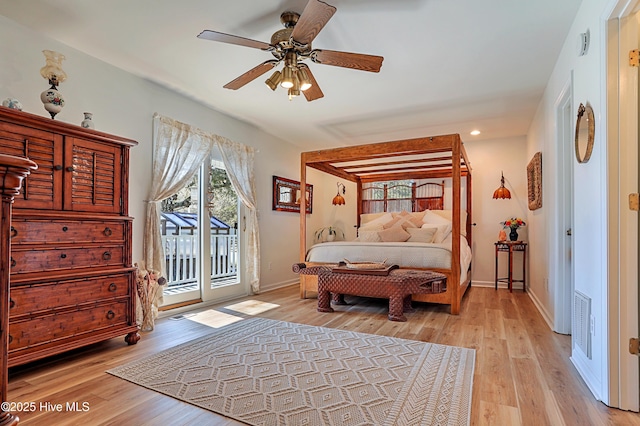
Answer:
[(43, 188), (93, 176)]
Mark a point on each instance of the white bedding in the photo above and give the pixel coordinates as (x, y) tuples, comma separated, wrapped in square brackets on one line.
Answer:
[(415, 255)]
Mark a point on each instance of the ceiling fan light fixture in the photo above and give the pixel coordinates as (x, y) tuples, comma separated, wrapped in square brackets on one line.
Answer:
[(303, 77), (274, 80), (287, 78), (293, 92)]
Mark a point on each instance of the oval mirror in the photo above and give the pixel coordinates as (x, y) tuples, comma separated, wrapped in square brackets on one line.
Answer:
[(585, 132)]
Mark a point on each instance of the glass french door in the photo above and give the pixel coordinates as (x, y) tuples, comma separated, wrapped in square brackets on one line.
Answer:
[(201, 241)]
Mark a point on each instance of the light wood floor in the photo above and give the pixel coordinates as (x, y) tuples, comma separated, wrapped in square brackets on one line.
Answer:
[(522, 375)]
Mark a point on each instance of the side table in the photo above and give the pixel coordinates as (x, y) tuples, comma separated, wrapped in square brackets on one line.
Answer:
[(510, 247)]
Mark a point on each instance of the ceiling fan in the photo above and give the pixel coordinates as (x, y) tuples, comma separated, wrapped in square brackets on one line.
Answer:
[(292, 45)]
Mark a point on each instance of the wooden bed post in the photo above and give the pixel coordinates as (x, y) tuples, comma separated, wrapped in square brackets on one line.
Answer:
[(303, 218), (455, 218), (303, 208)]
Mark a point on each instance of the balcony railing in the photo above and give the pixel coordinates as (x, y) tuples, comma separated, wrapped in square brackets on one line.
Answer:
[(181, 252)]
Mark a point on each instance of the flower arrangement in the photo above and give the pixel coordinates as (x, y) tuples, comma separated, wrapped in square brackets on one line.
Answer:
[(513, 223)]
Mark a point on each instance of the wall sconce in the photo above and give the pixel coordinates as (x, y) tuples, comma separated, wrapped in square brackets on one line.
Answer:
[(502, 192), (338, 200)]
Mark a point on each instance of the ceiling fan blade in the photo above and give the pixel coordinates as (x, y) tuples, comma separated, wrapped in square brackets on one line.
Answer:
[(313, 18), (313, 92), (357, 61), (231, 39), (251, 75)]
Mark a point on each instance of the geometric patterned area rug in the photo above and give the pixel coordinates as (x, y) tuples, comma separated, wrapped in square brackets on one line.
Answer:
[(266, 372)]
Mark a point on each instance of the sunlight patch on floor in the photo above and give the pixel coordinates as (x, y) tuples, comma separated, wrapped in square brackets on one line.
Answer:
[(252, 307), (214, 319)]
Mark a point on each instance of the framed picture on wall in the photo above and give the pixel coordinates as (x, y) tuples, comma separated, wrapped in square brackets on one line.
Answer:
[(534, 181)]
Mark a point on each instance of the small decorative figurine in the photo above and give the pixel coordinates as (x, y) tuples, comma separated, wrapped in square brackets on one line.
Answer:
[(502, 236), (87, 123), (12, 103)]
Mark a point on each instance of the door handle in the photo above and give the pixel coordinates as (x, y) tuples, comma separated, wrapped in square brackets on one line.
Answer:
[(569, 232)]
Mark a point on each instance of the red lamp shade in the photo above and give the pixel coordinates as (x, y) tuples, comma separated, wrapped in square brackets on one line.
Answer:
[(338, 200), (502, 192)]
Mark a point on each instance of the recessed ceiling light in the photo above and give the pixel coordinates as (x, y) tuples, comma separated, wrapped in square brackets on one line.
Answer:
[(475, 132)]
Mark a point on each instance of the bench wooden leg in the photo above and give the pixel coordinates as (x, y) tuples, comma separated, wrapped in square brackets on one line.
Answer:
[(408, 307), (324, 301), (338, 299), (396, 308)]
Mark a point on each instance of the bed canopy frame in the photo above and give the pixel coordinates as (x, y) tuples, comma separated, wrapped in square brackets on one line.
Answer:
[(421, 158)]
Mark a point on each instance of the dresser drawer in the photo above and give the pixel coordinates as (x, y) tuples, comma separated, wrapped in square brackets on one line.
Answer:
[(64, 231), (39, 298), (50, 328), (38, 260)]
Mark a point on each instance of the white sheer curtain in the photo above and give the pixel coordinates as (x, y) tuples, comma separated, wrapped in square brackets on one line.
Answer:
[(238, 160), (179, 150)]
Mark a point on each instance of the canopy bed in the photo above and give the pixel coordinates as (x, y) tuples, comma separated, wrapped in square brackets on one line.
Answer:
[(395, 183)]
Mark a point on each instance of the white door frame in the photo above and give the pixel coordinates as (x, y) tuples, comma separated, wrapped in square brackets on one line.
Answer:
[(622, 176), (564, 285)]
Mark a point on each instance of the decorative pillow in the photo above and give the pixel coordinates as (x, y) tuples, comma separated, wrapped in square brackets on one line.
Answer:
[(418, 215), (442, 231), (448, 214), (373, 219), (396, 234), (434, 218), (421, 235), (369, 234), (405, 220)]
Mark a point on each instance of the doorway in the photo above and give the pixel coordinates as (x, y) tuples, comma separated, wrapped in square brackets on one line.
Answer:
[(564, 282), (202, 246), (623, 35)]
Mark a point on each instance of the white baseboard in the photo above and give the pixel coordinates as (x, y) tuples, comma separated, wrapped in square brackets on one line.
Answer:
[(282, 284)]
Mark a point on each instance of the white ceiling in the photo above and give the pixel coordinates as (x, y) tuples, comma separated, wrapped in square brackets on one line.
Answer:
[(450, 66)]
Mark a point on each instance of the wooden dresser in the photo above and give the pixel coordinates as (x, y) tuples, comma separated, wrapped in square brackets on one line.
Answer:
[(72, 280)]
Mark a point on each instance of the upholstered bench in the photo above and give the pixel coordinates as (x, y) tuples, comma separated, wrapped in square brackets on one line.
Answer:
[(397, 286)]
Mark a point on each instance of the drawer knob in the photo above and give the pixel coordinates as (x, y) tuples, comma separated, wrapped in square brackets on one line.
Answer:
[(57, 167), (113, 287), (14, 232), (108, 231), (106, 255), (111, 315), (70, 169), (65, 229), (13, 262), (63, 256), (12, 303)]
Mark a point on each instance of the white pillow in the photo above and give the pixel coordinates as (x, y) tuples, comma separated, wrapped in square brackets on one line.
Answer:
[(369, 234), (421, 235), (448, 214), (374, 219), (435, 219), (442, 231)]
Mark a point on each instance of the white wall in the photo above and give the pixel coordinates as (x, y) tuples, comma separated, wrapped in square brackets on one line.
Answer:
[(590, 219), (488, 159), (123, 104)]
